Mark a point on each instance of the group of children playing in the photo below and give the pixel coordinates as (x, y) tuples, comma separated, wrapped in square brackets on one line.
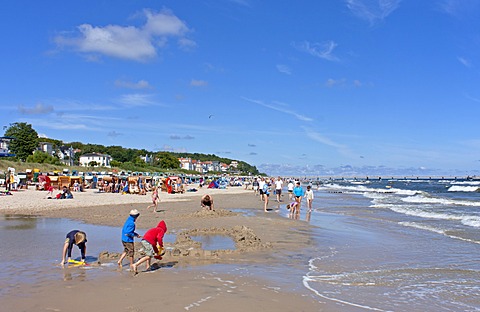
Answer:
[(152, 243), (152, 240)]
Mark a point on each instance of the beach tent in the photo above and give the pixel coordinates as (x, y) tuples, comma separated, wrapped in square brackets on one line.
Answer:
[(213, 184)]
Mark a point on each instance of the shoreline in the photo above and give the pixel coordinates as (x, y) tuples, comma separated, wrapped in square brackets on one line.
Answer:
[(182, 212)]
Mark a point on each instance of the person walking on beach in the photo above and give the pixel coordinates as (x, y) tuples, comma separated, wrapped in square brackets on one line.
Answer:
[(151, 239), (128, 237), (309, 197), (255, 186), (266, 194), (155, 199), (207, 201), (278, 188), (290, 187), (298, 193), (74, 237), (261, 184)]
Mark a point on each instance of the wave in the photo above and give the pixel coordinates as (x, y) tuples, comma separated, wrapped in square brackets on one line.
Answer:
[(420, 199), (457, 188), (436, 230), (364, 189), (468, 220), (466, 183)]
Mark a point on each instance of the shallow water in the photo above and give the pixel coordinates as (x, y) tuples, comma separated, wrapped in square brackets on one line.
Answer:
[(31, 249), (215, 242)]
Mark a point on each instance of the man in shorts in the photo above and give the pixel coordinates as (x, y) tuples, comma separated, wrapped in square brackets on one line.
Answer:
[(128, 236)]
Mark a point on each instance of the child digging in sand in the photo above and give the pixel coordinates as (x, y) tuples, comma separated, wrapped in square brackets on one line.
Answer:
[(155, 199), (151, 239)]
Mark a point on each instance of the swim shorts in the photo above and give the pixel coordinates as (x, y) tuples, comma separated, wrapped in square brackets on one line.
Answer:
[(128, 248), (148, 248)]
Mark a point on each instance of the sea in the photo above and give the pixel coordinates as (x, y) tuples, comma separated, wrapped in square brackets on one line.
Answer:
[(396, 244), (377, 245)]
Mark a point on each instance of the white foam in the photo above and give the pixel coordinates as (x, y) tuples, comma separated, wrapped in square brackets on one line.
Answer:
[(436, 230), (420, 199), (458, 188)]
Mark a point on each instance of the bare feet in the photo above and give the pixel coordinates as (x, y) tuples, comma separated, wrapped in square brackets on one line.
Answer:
[(119, 264), (134, 270)]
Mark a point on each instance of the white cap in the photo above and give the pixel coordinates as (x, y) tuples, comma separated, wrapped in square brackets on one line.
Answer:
[(134, 212)]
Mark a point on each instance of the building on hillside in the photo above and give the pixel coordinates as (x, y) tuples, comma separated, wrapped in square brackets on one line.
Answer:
[(5, 147), (46, 147), (147, 158), (102, 160), (186, 163)]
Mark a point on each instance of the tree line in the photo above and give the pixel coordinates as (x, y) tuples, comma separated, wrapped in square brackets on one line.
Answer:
[(26, 141)]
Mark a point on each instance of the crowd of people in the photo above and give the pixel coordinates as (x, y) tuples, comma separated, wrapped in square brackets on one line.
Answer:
[(263, 187)]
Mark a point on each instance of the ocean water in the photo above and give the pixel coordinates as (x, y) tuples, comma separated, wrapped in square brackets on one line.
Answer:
[(396, 245)]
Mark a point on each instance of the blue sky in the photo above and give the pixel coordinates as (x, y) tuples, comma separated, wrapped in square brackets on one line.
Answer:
[(369, 85)]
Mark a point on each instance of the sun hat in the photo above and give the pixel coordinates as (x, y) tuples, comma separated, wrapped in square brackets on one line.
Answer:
[(134, 212), (80, 237)]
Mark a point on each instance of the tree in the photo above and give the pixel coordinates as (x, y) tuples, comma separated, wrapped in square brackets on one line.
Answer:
[(43, 158), (167, 161), (25, 139)]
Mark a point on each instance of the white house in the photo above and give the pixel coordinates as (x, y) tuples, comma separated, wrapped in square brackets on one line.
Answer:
[(102, 160), (4, 146), (46, 147)]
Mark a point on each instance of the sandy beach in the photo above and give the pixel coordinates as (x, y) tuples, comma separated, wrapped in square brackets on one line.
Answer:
[(188, 277)]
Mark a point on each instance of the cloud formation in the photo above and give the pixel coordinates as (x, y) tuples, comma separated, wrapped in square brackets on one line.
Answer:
[(141, 84), (137, 99), (38, 109), (372, 10), (323, 50), (178, 137), (128, 42), (198, 83), (280, 108), (284, 69)]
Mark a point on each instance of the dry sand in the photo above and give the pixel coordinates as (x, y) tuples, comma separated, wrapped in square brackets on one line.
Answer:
[(189, 284)]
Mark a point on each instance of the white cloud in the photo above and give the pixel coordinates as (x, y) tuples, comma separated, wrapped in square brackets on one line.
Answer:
[(323, 50), (464, 61), (335, 82), (198, 83), (127, 42), (372, 10), (141, 84), (280, 108), (284, 69), (342, 149), (38, 109), (137, 99), (459, 8)]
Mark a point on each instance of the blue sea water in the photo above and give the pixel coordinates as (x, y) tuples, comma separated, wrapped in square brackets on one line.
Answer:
[(396, 245)]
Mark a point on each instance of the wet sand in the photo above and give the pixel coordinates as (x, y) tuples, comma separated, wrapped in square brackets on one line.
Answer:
[(190, 279)]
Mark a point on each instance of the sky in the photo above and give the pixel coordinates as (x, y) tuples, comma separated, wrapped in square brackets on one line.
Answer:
[(307, 87)]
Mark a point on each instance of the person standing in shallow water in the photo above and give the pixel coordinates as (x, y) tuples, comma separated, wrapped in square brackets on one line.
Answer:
[(309, 196), (128, 237), (266, 194), (298, 193)]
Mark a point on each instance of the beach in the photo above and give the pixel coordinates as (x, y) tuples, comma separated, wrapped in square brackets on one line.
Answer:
[(384, 245), (207, 281)]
